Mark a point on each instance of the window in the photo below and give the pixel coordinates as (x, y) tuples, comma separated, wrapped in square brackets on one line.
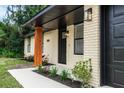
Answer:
[(78, 39), (29, 45)]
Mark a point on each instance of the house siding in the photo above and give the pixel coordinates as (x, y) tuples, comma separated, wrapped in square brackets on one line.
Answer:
[(71, 57), (92, 42), (91, 45), (51, 47)]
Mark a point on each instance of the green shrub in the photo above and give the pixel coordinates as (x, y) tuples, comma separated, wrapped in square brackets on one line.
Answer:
[(40, 69), (8, 53), (64, 75), (83, 70), (53, 71), (4, 52), (0, 51)]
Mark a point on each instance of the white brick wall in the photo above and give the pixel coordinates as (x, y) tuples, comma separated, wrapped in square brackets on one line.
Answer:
[(51, 47), (92, 42)]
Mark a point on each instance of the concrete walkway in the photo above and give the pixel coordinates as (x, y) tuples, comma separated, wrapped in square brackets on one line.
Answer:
[(29, 79)]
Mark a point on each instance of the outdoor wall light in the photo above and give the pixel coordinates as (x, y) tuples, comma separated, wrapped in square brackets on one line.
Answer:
[(67, 34), (48, 40), (88, 15)]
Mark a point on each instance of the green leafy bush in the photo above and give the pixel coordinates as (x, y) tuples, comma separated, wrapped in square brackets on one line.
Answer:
[(53, 71), (8, 53), (83, 70), (0, 51), (64, 75), (4, 52), (40, 69)]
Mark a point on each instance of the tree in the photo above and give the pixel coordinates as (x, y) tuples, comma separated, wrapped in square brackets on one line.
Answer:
[(11, 33), (21, 13)]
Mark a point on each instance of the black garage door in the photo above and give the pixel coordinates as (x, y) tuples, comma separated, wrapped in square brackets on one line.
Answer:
[(115, 46)]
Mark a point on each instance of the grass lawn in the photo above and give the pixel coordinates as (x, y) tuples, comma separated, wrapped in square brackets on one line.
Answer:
[(6, 80)]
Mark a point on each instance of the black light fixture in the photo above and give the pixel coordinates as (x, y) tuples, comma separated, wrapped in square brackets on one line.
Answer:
[(88, 15), (66, 34)]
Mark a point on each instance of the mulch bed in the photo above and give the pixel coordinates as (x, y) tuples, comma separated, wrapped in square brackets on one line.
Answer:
[(68, 82), (47, 64)]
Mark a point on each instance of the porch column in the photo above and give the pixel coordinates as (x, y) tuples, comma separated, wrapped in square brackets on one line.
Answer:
[(38, 46)]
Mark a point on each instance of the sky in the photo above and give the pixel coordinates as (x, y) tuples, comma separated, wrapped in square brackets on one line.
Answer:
[(2, 11)]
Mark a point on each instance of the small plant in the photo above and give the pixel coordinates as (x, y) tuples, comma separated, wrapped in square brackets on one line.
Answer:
[(82, 71), (64, 75), (40, 69), (43, 69), (4, 52), (53, 71)]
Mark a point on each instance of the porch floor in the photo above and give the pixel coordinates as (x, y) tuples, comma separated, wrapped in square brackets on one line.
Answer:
[(29, 79)]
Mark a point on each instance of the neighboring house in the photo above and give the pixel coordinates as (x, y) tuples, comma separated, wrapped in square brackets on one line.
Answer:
[(73, 33)]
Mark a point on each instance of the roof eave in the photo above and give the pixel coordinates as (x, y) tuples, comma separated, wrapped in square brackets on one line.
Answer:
[(32, 20)]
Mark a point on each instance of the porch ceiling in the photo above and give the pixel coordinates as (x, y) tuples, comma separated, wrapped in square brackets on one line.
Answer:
[(56, 16)]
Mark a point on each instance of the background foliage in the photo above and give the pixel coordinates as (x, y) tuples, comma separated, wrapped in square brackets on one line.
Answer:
[(11, 32)]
